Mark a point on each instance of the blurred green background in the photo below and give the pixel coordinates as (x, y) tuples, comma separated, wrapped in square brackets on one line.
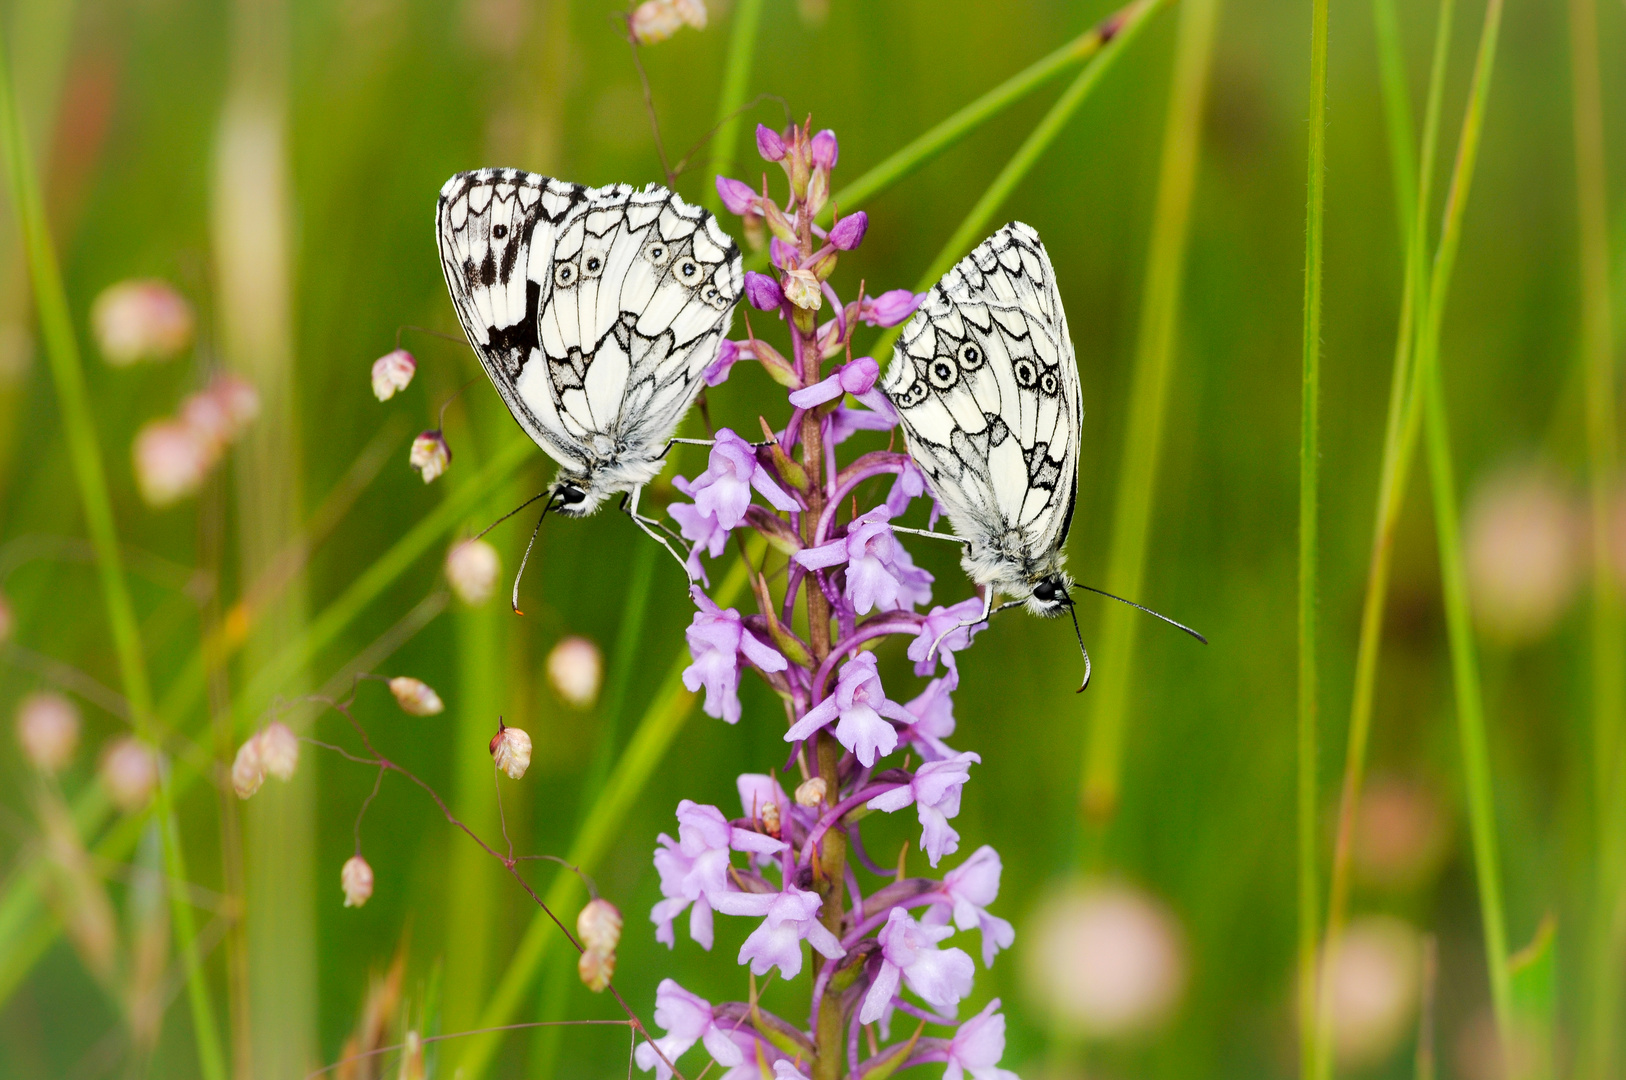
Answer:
[(277, 161)]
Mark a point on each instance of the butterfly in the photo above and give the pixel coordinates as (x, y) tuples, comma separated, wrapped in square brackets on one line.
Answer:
[(595, 312), (984, 379)]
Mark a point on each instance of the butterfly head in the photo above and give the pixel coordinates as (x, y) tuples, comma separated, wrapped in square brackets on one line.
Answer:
[(574, 496), (1050, 596)]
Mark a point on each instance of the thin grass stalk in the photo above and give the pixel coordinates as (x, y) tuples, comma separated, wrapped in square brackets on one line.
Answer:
[(948, 132), (1309, 870), (1148, 393), (22, 911), (62, 349), (742, 47), (1464, 660), (1413, 195), (660, 724), (1608, 693)]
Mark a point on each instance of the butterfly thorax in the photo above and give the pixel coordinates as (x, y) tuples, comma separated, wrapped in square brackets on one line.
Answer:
[(1007, 566), (621, 470)]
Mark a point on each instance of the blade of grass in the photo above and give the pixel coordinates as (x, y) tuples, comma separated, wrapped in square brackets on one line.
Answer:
[(661, 722), (62, 349), (1105, 38), (1413, 194), (1608, 639), (1464, 660), (742, 47), (1149, 380), (1309, 870)]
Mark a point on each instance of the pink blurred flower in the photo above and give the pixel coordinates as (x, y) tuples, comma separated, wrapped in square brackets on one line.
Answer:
[(416, 696), (356, 879), (575, 670), (171, 460), (1373, 975), (48, 729), (656, 20), (141, 320), (1523, 554), (472, 570), (129, 773), (430, 455), (393, 373)]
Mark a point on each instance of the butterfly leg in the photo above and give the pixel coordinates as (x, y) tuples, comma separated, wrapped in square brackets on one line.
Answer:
[(987, 609), (656, 531), (950, 537), (705, 442)]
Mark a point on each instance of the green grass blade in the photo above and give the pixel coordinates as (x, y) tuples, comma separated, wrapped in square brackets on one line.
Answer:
[(742, 47), (1464, 658), (62, 349), (1608, 637), (661, 722), (1149, 381), (1309, 870)]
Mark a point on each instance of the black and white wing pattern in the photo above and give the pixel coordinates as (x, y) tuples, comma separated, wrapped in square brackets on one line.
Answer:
[(985, 381), (594, 311)]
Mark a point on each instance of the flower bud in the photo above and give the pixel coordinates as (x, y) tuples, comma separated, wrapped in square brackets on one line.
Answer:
[(511, 750), (430, 455), (810, 793), (171, 461), (356, 878), (762, 291), (416, 697), (140, 320), (783, 254), (848, 233), (129, 773), (48, 729), (770, 820), (890, 308), (247, 770), (728, 353), (736, 195), (472, 569), (596, 969), (802, 288), (825, 150), (575, 669), (769, 144), (393, 373), (859, 376), (279, 750), (599, 926)]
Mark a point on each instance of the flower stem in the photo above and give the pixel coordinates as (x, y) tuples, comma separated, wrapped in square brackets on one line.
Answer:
[(1309, 547), (62, 349), (1143, 438)]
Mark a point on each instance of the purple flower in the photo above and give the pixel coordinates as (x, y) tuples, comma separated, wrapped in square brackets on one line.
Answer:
[(857, 378), (769, 144), (723, 491), (694, 867), (844, 422), (969, 888), (788, 918), (941, 977), (737, 196), (728, 353), (703, 532), (762, 291), (934, 713), (944, 620), (717, 638), (825, 150), (977, 1047), (880, 573), (860, 701), (848, 233), (890, 308), (935, 791), (910, 485), (783, 255), (784, 1070), (686, 1019)]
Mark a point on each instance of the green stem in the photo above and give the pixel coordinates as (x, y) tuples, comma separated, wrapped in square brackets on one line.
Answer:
[(1148, 393), (62, 349), (1464, 661), (661, 722), (742, 44), (1412, 194), (1309, 547), (1608, 693)]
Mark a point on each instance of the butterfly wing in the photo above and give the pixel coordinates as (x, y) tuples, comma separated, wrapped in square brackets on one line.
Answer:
[(985, 381), (594, 310)]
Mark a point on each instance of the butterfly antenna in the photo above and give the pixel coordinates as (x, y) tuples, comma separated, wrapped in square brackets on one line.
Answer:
[(1073, 611), (1139, 607), (510, 514), (514, 600)]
